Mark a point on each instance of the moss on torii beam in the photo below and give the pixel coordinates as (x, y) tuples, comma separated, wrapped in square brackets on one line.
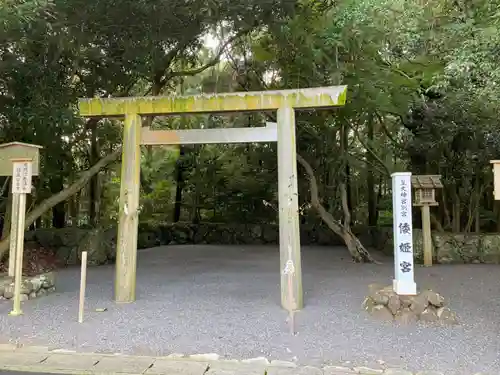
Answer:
[(321, 97)]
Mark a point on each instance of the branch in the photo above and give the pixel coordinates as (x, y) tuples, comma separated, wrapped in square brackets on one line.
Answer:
[(5, 101), (169, 57), (369, 149), (387, 132), (315, 202), (5, 186), (211, 63), (375, 166), (345, 206), (352, 242)]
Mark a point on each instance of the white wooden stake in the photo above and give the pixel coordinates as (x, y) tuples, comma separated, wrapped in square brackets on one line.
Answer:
[(83, 283)]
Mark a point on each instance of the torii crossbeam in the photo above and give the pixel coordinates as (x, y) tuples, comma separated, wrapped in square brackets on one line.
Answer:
[(284, 102)]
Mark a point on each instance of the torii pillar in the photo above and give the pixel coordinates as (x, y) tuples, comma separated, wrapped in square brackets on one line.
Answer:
[(284, 102)]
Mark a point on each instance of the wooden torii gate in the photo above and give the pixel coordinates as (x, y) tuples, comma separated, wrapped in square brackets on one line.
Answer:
[(134, 135)]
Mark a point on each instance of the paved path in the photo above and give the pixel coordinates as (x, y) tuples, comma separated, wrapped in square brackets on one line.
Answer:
[(226, 300), (40, 360)]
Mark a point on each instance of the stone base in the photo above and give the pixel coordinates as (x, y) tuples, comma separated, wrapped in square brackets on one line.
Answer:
[(31, 287), (428, 306)]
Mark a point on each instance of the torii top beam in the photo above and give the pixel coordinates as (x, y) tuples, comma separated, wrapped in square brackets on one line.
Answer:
[(320, 97)]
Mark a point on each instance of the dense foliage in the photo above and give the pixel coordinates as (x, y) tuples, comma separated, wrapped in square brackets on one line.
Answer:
[(423, 77)]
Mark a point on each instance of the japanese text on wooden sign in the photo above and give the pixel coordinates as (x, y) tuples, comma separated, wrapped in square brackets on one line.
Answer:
[(403, 234), (21, 177)]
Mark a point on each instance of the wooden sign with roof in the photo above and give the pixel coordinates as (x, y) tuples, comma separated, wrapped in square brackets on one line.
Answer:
[(425, 196), (20, 161), (425, 189), (18, 151)]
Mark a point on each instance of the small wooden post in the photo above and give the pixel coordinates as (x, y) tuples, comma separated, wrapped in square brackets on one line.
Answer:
[(425, 196), (83, 283), (426, 234), (21, 185), (290, 259)]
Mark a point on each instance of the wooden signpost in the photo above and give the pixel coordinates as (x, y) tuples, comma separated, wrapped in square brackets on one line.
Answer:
[(21, 162)]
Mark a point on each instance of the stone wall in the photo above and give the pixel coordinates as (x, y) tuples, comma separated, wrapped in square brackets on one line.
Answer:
[(31, 287), (68, 243), (448, 248)]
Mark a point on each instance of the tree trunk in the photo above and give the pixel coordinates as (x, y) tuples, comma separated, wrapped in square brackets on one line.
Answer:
[(477, 212), (437, 225), (443, 206), (179, 184), (95, 181), (63, 195), (59, 214), (8, 215), (496, 211), (370, 178), (379, 199), (358, 251), (345, 150), (456, 212), (56, 184), (74, 208)]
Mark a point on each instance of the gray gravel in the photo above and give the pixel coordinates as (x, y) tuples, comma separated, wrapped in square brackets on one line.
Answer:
[(205, 299)]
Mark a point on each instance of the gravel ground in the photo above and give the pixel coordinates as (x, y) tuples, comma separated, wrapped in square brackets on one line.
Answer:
[(205, 299)]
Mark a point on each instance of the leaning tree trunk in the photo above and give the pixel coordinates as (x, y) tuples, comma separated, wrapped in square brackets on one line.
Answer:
[(356, 249), (63, 195)]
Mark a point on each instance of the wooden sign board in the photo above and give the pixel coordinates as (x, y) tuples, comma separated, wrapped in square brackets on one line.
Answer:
[(18, 150), (496, 178), (21, 176)]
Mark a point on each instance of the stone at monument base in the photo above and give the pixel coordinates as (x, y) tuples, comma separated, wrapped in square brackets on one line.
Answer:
[(427, 306), (31, 287)]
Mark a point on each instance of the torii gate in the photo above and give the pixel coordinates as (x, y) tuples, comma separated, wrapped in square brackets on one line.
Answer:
[(134, 135)]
